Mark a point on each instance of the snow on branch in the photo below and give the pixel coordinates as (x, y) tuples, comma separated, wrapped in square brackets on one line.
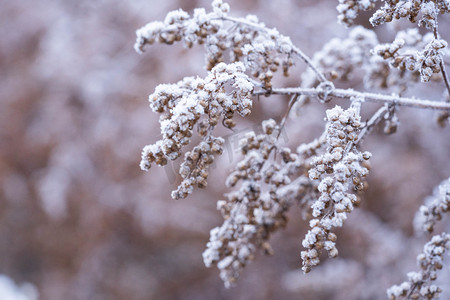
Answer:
[(366, 96), (419, 284), (434, 208), (325, 177)]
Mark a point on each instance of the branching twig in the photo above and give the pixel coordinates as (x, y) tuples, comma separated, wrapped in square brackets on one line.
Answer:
[(294, 99)]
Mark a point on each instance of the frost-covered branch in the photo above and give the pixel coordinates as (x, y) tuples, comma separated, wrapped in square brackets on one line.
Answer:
[(202, 103), (365, 96), (434, 208), (376, 118), (419, 284), (323, 177), (259, 206)]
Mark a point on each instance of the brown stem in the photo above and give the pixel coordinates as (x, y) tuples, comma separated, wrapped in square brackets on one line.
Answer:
[(444, 74)]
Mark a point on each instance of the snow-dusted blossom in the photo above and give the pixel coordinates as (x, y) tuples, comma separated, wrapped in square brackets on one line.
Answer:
[(419, 284), (428, 61), (201, 28), (220, 8), (349, 9), (402, 54), (340, 170), (183, 105), (233, 244), (323, 177), (194, 169), (262, 50), (259, 206), (433, 209), (266, 54), (411, 9)]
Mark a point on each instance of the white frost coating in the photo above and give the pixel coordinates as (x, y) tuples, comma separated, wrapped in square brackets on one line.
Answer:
[(243, 84), (419, 284), (183, 105), (225, 262), (176, 16), (263, 194), (349, 10), (335, 187), (434, 207), (11, 291), (220, 8)]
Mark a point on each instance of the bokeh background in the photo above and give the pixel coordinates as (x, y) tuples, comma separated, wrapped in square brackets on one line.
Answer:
[(80, 220)]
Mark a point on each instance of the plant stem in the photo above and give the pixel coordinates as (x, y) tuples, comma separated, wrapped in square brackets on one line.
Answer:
[(366, 96)]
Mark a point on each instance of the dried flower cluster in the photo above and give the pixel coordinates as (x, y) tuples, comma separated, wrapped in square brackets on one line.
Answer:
[(410, 51), (323, 177), (395, 64), (427, 11), (340, 171), (182, 106), (194, 169), (202, 28), (433, 209), (349, 9), (411, 9), (262, 50), (419, 284), (250, 214), (402, 54)]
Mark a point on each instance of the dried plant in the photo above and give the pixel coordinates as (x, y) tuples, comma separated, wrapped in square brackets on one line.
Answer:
[(419, 284), (325, 177)]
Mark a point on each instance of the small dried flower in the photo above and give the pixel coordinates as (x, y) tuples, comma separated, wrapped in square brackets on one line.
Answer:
[(182, 105), (349, 9), (338, 169), (433, 209), (419, 284)]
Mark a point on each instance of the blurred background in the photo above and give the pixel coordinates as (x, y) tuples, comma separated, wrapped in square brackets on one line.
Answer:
[(80, 220)]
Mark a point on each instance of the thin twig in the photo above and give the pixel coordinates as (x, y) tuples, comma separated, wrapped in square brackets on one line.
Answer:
[(442, 65), (371, 97), (374, 120), (286, 114), (444, 74), (308, 61)]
